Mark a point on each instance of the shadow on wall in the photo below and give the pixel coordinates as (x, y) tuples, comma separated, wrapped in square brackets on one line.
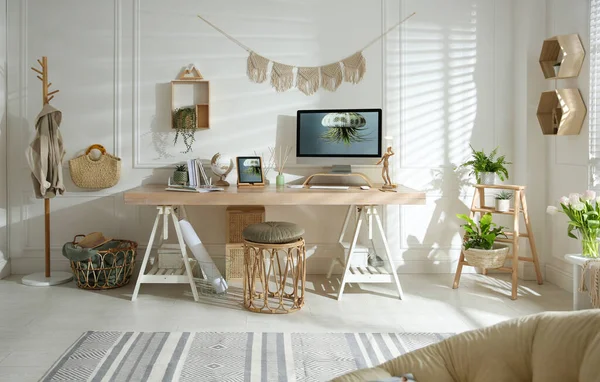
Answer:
[(439, 69)]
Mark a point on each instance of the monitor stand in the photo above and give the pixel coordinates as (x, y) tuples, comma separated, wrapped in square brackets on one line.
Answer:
[(341, 169)]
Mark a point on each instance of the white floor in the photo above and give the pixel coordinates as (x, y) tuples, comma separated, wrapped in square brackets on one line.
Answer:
[(38, 324)]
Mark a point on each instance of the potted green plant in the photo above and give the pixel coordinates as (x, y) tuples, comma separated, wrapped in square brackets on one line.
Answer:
[(486, 167), (180, 176), (479, 247), (503, 201)]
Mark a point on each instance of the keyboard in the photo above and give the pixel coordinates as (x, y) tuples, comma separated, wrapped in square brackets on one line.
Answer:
[(330, 187)]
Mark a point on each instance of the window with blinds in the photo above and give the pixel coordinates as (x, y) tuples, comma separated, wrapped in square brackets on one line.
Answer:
[(594, 102)]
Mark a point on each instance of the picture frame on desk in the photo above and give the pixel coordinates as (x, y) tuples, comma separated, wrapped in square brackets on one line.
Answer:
[(250, 171)]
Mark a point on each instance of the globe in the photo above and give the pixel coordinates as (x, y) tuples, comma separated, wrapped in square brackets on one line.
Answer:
[(221, 165)]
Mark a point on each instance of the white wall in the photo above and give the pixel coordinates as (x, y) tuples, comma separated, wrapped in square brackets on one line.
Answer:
[(568, 157), (442, 79), (4, 261)]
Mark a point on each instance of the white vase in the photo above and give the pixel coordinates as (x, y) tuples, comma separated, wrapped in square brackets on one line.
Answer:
[(487, 178), (502, 205)]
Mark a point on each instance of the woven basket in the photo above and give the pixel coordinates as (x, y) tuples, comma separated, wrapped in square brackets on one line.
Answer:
[(240, 217), (110, 268), (234, 261), (487, 258)]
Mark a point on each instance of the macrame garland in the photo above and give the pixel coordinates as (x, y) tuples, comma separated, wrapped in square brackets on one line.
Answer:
[(257, 68), (331, 76), (282, 76), (307, 80), (355, 67)]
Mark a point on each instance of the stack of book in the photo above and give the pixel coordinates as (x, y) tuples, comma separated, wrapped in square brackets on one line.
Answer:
[(196, 174), (198, 180)]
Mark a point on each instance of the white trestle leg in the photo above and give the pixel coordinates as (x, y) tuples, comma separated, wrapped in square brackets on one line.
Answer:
[(156, 275), (368, 274)]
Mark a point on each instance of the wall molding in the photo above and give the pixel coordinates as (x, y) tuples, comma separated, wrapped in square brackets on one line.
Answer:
[(118, 27), (559, 277)]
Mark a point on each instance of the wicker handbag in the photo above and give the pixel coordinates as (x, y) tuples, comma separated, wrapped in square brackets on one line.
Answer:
[(95, 174)]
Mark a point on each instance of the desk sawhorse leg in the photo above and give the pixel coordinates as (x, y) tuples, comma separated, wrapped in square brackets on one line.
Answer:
[(158, 276), (367, 274)]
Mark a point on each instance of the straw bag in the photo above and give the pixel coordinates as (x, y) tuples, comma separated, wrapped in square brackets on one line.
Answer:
[(103, 172)]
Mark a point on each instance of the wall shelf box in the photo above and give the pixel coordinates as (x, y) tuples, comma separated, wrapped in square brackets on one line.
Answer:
[(565, 50), (561, 112), (192, 92)]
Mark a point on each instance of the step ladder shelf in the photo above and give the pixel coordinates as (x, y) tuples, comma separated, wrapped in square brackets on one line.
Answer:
[(520, 207)]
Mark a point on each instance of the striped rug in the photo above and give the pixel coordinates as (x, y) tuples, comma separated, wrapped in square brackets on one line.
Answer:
[(207, 356)]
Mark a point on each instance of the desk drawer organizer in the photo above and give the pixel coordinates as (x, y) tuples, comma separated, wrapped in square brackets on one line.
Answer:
[(238, 218)]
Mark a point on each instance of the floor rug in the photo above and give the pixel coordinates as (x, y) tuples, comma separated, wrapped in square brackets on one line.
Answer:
[(208, 356)]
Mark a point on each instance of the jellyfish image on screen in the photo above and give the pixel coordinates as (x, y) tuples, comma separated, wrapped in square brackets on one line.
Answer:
[(346, 128)]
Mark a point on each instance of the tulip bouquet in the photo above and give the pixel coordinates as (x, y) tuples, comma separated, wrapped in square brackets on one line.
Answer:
[(583, 211)]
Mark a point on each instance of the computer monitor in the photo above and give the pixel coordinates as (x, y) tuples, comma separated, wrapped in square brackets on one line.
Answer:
[(338, 137)]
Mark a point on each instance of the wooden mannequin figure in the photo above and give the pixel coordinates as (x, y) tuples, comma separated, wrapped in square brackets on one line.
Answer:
[(385, 171)]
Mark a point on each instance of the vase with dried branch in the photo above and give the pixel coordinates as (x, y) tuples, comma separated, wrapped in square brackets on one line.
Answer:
[(283, 156)]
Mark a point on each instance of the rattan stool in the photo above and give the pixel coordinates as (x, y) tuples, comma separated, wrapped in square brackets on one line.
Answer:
[(269, 266)]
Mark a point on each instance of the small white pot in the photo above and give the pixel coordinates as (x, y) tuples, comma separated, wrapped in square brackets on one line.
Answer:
[(487, 178), (502, 205)]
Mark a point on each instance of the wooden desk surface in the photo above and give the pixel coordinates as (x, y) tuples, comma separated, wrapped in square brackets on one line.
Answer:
[(154, 195)]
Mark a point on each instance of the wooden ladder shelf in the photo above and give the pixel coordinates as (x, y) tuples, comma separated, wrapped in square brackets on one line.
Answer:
[(520, 206)]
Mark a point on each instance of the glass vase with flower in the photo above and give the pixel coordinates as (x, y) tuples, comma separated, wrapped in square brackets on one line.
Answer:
[(583, 211)]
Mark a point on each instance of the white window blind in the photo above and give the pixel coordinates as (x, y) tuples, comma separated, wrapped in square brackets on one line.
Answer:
[(594, 101)]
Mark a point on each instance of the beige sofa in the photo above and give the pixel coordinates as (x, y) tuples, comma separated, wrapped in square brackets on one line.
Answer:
[(556, 346)]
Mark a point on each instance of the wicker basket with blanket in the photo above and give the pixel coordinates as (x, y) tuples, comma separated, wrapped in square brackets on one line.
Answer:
[(106, 266)]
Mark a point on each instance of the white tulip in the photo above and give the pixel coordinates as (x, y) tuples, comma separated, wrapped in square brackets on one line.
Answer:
[(574, 198), (589, 195), (551, 210), (565, 200), (578, 206)]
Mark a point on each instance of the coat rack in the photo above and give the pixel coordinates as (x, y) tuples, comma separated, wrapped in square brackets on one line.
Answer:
[(46, 278)]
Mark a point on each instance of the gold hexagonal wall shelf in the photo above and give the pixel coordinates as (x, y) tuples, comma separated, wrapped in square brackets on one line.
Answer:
[(561, 112), (562, 56)]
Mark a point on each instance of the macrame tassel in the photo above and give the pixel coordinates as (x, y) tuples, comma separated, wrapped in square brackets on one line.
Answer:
[(593, 268), (331, 76), (307, 80), (257, 68), (355, 67), (282, 76)]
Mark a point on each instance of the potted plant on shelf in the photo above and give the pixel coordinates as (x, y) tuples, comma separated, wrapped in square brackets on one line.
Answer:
[(583, 212), (479, 247), (503, 201), (180, 176), (486, 167)]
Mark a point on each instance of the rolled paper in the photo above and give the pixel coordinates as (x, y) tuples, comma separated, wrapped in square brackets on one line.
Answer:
[(201, 254)]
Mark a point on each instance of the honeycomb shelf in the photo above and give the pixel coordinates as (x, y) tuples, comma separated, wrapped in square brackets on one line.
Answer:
[(562, 56), (561, 112)]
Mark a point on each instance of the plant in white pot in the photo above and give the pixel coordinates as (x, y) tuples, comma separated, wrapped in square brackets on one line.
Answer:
[(487, 167), (503, 201), (479, 247)]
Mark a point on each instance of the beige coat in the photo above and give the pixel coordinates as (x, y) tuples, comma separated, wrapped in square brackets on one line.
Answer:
[(545, 347), (45, 154)]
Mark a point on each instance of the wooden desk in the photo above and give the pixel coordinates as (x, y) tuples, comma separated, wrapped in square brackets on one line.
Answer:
[(155, 195), (362, 202)]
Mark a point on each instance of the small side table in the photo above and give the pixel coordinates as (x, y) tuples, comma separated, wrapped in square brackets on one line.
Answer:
[(581, 300)]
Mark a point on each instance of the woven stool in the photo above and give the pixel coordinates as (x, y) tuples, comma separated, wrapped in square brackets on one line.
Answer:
[(273, 253)]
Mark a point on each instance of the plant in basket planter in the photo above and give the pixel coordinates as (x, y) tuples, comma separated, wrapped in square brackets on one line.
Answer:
[(486, 167), (480, 248), (180, 176), (583, 211), (503, 201)]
